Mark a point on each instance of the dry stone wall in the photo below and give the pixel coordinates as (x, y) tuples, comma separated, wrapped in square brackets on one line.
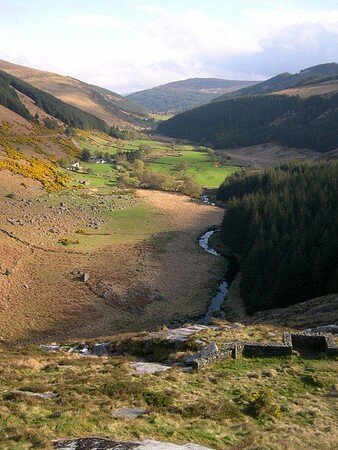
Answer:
[(311, 342)]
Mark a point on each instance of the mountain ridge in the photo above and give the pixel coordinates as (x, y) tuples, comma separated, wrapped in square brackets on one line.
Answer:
[(107, 105), (284, 81), (181, 95)]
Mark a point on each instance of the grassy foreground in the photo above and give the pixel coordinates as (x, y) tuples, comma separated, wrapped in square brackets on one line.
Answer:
[(270, 403)]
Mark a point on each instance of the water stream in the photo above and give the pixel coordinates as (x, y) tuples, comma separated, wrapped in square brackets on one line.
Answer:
[(218, 299)]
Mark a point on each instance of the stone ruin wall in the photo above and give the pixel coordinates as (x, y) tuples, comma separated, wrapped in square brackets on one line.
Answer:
[(310, 342)]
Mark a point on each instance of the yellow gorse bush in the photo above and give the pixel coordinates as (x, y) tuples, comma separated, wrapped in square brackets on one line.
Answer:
[(32, 167)]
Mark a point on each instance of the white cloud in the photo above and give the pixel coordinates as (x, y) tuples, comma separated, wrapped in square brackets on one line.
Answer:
[(93, 21), (171, 46), (150, 8)]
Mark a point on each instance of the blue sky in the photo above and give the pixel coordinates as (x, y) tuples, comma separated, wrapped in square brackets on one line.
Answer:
[(134, 44)]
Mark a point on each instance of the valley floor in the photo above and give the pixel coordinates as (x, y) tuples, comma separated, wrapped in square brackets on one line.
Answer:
[(140, 251)]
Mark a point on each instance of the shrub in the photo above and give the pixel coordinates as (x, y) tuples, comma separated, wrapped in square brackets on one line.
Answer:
[(310, 380), (67, 241), (123, 389), (261, 404), (207, 409), (158, 399)]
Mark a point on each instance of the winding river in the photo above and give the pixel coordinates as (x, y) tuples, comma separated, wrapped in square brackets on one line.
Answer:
[(218, 299)]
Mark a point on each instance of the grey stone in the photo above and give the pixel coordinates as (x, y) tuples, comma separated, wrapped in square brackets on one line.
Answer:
[(333, 328), (334, 391), (99, 349), (51, 348), (205, 353), (130, 413), (44, 395), (107, 444), (84, 277), (149, 368), (182, 334)]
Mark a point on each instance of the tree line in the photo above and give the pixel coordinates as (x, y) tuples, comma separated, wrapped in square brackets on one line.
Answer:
[(282, 223), (69, 115), (289, 120)]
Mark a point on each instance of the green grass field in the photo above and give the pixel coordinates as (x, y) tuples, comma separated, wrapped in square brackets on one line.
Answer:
[(163, 159), (131, 224), (101, 175), (208, 173)]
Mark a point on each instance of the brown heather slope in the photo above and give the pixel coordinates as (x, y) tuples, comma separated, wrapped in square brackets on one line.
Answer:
[(140, 276), (105, 104), (328, 87)]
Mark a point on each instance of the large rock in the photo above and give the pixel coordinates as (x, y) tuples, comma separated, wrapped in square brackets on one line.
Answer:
[(129, 413), (149, 368), (204, 354), (107, 444), (182, 334), (44, 395)]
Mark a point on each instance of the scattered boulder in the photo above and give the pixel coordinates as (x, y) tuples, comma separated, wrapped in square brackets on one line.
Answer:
[(44, 395), (208, 352), (107, 444), (182, 334), (99, 349), (149, 368), (129, 413), (269, 373), (51, 348), (84, 277)]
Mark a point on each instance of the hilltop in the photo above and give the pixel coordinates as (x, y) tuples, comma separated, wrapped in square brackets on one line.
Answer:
[(291, 121), (318, 79), (113, 108), (186, 94)]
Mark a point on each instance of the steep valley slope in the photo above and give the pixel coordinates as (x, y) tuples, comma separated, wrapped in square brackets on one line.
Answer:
[(114, 109)]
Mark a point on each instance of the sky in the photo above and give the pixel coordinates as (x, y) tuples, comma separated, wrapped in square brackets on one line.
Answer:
[(129, 45)]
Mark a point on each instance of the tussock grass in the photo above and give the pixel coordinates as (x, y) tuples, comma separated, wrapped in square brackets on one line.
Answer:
[(265, 403)]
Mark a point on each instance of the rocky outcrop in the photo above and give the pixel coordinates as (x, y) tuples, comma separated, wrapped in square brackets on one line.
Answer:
[(149, 368), (107, 444)]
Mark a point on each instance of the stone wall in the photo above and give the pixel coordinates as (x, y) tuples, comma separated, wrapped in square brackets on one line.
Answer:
[(210, 355), (311, 342), (270, 349)]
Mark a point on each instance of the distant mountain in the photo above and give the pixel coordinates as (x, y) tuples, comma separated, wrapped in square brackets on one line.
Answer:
[(291, 121), (114, 109), (307, 77), (186, 94)]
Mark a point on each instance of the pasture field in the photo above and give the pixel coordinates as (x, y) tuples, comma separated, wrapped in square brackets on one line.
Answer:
[(163, 157), (208, 173), (99, 175)]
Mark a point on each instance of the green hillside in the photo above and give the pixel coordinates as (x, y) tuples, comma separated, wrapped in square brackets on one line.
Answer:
[(289, 120), (186, 94), (286, 80), (281, 223)]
